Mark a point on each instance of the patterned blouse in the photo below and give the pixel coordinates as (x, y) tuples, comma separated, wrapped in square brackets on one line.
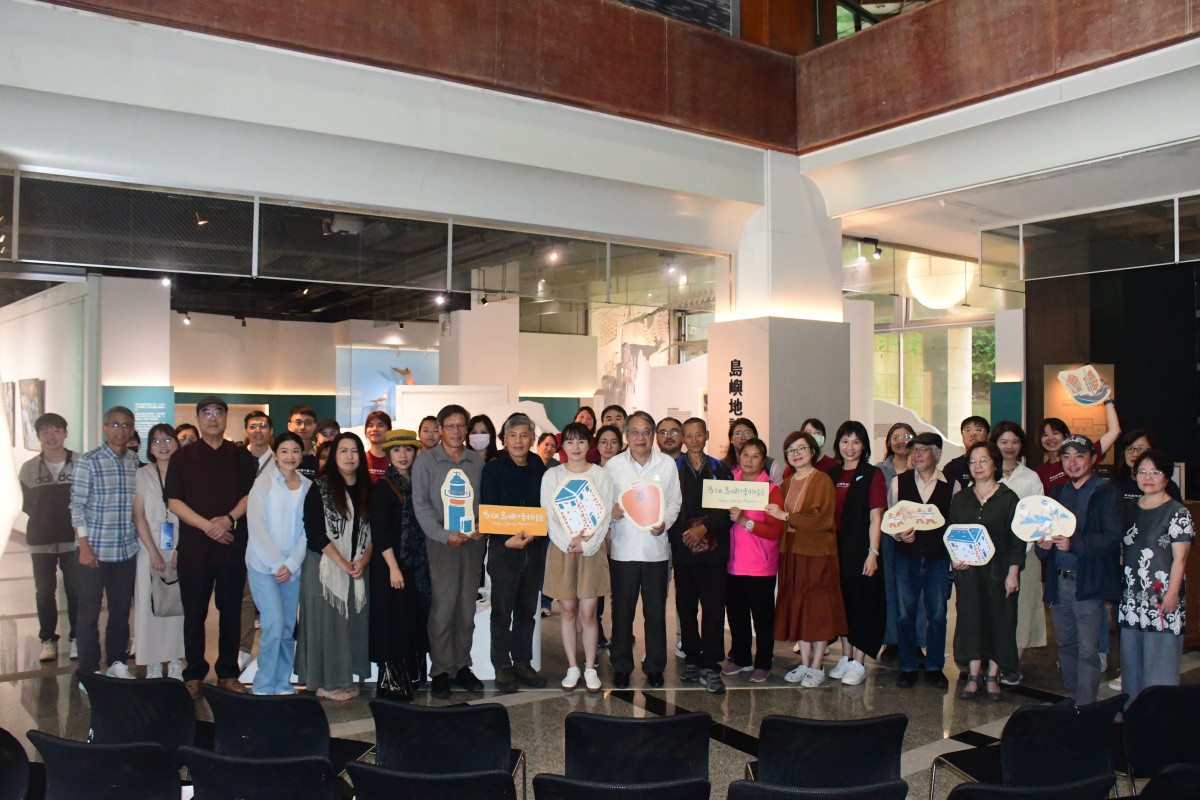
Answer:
[(1148, 558)]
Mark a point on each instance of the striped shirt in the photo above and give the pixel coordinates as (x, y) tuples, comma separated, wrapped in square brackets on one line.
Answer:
[(102, 493)]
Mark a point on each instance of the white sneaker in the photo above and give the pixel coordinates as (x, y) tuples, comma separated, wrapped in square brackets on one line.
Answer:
[(244, 659), (119, 670), (840, 668), (154, 671), (797, 675), (572, 678), (592, 680), (815, 677), (679, 652), (49, 651), (1115, 684), (855, 673), (175, 669), (74, 650)]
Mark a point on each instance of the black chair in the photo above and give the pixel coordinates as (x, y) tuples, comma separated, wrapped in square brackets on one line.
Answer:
[(87, 771), (757, 790), (1096, 788), (445, 740), (820, 753), (153, 710), (1041, 745), (220, 777), (373, 783), (1161, 727), (624, 750), (14, 768), (261, 726), (1174, 782), (557, 787)]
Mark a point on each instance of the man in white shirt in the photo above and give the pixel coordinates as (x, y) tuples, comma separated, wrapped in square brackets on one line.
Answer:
[(639, 557)]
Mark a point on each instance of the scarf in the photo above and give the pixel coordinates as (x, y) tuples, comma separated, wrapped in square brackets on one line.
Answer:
[(335, 583)]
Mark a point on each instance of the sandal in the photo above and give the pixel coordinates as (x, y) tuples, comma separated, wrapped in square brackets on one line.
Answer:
[(966, 692), (993, 682)]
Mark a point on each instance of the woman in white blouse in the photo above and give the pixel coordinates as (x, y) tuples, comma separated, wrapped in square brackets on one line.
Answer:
[(274, 554)]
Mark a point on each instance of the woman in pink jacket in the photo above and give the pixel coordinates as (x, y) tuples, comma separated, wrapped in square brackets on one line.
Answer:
[(753, 566)]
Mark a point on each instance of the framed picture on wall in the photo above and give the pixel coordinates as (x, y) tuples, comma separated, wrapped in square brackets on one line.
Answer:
[(33, 405), (9, 389)]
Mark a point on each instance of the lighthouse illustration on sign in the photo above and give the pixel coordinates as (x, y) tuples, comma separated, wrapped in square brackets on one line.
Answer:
[(457, 502)]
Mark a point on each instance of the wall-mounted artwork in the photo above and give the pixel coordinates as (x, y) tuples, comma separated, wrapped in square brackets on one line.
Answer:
[(33, 405), (10, 409)]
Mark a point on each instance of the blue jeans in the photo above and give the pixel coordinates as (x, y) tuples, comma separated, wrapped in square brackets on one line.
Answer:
[(916, 577), (277, 606), (1149, 658), (891, 632)]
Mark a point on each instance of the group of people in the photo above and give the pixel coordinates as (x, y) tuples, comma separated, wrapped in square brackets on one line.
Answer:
[(353, 553)]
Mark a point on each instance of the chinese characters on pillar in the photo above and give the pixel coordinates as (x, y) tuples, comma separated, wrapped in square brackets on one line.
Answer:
[(735, 389)]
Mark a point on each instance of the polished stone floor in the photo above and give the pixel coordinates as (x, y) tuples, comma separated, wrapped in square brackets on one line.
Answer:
[(44, 696)]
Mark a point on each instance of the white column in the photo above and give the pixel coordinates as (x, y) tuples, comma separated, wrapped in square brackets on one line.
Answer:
[(482, 347)]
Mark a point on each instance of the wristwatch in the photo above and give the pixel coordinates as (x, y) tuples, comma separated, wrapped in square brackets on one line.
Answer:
[(232, 521), (749, 526)]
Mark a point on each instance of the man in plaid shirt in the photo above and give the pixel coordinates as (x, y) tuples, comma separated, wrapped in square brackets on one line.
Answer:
[(102, 493)]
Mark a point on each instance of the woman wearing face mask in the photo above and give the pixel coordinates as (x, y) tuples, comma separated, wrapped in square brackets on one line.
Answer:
[(159, 639), (275, 552), (1052, 431), (481, 436), (897, 442), (816, 429), (742, 430), (376, 428)]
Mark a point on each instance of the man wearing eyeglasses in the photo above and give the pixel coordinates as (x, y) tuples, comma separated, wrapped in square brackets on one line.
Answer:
[(102, 492), (207, 487), (1083, 571), (669, 436)]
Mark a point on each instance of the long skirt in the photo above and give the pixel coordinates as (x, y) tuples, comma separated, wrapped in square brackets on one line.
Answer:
[(330, 648), (985, 627), (809, 606), (158, 639)]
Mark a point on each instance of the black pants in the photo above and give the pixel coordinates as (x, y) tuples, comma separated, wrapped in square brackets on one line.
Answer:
[(45, 589), (751, 597), (197, 583), (629, 578), (701, 584), (516, 582), (114, 580)]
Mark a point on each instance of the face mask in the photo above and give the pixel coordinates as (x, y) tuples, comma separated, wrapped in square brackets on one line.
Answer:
[(819, 438), (479, 441)]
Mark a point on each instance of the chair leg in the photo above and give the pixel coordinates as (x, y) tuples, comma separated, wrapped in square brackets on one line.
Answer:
[(524, 779), (932, 778)]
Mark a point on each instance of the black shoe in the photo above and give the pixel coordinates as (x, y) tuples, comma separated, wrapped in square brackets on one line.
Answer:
[(440, 686), (528, 676), (691, 674), (936, 679), (654, 680), (506, 680), (620, 680), (889, 653), (1011, 678), (907, 680), (467, 680)]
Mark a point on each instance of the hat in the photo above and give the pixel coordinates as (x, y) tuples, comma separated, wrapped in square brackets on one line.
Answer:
[(928, 439), (212, 400), (328, 423), (1078, 442), (400, 436)]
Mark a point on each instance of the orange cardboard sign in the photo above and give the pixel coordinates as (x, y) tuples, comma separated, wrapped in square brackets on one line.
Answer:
[(643, 503), (511, 520)]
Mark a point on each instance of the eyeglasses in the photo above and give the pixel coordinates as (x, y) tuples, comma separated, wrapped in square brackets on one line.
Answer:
[(119, 426), (161, 441), (256, 426), (1149, 473), (640, 433), (670, 432), (917, 449), (795, 451), (212, 413), (741, 434), (1135, 449), (978, 462), (902, 437)]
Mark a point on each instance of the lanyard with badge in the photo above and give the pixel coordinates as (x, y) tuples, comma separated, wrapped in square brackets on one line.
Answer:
[(166, 531)]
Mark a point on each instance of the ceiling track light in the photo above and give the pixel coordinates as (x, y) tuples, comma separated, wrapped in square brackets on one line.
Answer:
[(166, 281), (200, 220), (187, 318), (483, 301), (878, 254)]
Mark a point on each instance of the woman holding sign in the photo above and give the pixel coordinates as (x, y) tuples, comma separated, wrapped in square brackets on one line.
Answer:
[(986, 605), (515, 563), (577, 497)]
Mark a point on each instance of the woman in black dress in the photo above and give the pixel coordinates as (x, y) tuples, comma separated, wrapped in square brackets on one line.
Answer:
[(399, 571)]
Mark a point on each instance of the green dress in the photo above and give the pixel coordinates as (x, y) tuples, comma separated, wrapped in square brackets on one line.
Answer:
[(986, 621)]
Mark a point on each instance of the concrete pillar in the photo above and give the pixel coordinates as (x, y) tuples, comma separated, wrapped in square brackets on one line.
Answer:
[(482, 347)]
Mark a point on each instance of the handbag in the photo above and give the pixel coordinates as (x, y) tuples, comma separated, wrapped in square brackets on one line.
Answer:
[(165, 599), (394, 682)]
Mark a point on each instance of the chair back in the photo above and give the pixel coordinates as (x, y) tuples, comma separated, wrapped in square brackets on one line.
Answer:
[(557, 787), (821, 753), (75, 770), (1173, 782), (14, 768), (152, 710), (267, 726), (756, 790), (1095, 788), (624, 750), (1162, 727), (441, 740), (220, 777), (373, 783), (1043, 745)]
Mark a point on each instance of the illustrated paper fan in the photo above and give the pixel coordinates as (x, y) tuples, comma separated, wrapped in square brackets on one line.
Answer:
[(579, 506), (1038, 516), (644, 503), (969, 544), (907, 514), (1085, 385)]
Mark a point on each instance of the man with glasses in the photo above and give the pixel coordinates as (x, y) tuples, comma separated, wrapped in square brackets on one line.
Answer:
[(302, 421), (639, 556), (669, 437), (1083, 571), (455, 557), (922, 566), (207, 488), (102, 492)]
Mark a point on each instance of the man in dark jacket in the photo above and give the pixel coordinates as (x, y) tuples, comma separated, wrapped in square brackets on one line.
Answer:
[(699, 549), (1083, 571)]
